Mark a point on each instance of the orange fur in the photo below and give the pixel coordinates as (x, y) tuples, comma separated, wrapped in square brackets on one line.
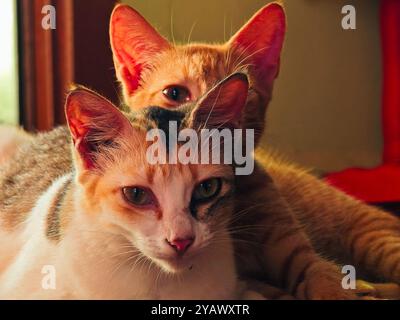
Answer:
[(321, 216)]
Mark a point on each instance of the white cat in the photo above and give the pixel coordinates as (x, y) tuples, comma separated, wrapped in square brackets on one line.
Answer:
[(97, 221)]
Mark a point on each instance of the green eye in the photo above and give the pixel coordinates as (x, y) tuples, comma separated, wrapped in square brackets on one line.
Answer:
[(207, 189), (137, 196)]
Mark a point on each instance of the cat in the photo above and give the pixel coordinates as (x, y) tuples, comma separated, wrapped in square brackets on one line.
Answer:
[(291, 181), (105, 222), (11, 139), (153, 71)]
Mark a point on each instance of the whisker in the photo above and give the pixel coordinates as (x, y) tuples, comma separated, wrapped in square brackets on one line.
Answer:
[(172, 25), (191, 31)]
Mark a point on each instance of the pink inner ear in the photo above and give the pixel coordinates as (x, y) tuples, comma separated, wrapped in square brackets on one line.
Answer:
[(131, 76), (262, 39), (128, 68), (134, 43), (92, 121), (79, 131)]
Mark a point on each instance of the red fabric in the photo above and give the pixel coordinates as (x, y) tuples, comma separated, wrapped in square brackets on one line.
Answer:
[(390, 33), (382, 184)]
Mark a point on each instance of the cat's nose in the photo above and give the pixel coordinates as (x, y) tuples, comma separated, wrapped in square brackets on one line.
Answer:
[(181, 245)]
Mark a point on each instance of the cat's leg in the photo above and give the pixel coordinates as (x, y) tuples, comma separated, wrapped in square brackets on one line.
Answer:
[(255, 289), (270, 244), (385, 291), (341, 227)]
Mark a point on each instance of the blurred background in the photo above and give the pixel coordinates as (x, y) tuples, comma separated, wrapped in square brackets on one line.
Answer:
[(326, 109)]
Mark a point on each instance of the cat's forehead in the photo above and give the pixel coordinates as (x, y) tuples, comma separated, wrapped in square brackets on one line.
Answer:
[(198, 62), (207, 61), (200, 54)]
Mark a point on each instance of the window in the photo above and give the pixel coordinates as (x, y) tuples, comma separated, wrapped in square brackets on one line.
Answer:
[(51, 59), (8, 63)]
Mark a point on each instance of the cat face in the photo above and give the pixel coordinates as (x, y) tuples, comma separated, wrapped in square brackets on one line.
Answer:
[(170, 213), (154, 72)]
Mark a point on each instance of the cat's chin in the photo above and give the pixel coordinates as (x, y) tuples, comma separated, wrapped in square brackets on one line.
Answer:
[(174, 265)]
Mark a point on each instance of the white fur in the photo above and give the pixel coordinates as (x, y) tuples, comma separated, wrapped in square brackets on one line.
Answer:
[(88, 264)]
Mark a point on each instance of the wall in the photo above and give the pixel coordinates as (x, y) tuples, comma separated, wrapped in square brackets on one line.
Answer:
[(325, 112)]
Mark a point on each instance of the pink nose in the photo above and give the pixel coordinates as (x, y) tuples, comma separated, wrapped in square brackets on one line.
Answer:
[(181, 245)]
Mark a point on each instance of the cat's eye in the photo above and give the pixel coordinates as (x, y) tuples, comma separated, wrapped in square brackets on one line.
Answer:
[(207, 189), (177, 94), (138, 196)]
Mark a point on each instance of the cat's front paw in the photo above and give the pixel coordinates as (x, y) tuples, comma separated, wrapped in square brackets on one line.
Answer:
[(324, 289), (324, 283), (380, 291)]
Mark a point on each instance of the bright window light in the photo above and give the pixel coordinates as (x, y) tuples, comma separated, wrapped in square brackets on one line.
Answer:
[(8, 63)]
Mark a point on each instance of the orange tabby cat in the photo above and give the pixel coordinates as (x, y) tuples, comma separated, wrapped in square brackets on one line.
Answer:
[(154, 72)]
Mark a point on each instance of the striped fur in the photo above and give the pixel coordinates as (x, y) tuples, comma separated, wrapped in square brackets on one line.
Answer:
[(11, 139), (55, 223)]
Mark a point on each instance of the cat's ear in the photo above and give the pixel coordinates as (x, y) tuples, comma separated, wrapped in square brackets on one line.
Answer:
[(222, 106), (134, 42), (259, 42), (94, 122)]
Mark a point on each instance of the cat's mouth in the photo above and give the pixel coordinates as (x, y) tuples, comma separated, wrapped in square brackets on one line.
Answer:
[(175, 263)]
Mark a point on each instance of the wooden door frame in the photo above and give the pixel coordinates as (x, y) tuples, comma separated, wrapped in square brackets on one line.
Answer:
[(50, 60)]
